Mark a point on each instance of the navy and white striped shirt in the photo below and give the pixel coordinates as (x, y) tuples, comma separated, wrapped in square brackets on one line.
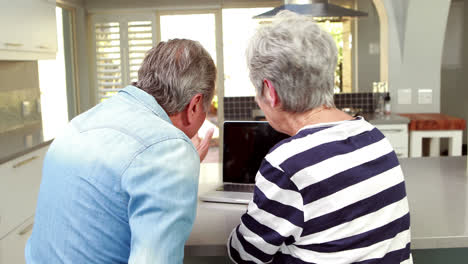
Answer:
[(333, 193)]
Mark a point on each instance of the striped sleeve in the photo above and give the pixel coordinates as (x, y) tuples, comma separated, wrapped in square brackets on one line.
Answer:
[(274, 217)]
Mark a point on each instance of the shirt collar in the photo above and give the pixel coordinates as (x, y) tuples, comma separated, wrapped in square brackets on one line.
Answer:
[(147, 100)]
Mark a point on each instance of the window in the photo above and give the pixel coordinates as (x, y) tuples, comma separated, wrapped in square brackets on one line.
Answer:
[(108, 59), (199, 26), (238, 28), (340, 31), (57, 79), (121, 43)]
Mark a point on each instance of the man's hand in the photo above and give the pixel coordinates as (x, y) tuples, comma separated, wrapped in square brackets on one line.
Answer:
[(202, 146)]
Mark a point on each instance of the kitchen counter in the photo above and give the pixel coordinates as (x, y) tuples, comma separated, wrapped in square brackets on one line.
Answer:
[(391, 119), (434, 126), (437, 192), (14, 155), (434, 121)]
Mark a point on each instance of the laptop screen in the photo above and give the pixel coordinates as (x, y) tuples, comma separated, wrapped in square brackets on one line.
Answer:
[(245, 144)]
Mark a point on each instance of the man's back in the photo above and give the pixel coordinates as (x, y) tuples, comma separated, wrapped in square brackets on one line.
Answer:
[(109, 185)]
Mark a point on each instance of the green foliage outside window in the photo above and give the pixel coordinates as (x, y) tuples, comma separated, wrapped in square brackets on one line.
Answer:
[(336, 30)]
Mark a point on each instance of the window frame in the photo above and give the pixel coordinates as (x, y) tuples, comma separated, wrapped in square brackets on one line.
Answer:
[(73, 91)]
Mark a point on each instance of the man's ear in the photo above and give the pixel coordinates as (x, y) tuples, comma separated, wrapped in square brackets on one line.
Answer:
[(270, 93), (194, 108)]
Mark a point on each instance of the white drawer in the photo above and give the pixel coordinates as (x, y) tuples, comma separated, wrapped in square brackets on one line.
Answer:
[(396, 134), (401, 152), (12, 246), (19, 187)]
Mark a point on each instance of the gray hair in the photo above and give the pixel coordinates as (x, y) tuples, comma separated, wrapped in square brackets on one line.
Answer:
[(175, 71), (298, 57)]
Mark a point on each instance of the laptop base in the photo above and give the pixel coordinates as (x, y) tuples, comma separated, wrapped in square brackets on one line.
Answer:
[(227, 197)]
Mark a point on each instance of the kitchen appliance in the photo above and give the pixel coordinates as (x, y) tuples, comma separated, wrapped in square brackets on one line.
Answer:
[(314, 8)]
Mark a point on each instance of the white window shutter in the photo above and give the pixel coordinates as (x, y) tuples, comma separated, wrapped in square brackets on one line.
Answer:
[(121, 43), (140, 40), (108, 59)]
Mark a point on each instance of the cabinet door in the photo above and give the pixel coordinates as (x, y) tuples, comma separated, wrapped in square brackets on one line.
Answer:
[(43, 31), (12, 246), (398, 137), (29, 29), (19, 188)]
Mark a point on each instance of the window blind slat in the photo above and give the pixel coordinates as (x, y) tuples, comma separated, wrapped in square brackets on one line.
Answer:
[(108, 63), (110, 73)]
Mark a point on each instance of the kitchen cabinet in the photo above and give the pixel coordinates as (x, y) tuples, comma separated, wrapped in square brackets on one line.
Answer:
[(19, 187), (397, 134), (29, 30), (12, 246)]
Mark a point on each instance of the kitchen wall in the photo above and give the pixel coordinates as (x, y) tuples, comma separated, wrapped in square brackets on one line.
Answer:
[(464, 85), (454, 75), (368, 47), (244, 107), (416, 37), (416, 34)]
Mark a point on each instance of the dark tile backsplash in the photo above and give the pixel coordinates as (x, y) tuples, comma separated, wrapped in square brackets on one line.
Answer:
[(364, 101), (240, 108)]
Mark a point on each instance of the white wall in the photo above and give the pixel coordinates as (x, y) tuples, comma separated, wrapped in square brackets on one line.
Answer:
[(368, 45), (416, 37), (452, 57), (464, 85), (454, 91)]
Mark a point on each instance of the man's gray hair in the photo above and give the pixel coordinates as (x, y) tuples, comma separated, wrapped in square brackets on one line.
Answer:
[(175, 71), (298, 57)]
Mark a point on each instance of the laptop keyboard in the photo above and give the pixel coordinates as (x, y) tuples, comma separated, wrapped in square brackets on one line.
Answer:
[(232, 187)]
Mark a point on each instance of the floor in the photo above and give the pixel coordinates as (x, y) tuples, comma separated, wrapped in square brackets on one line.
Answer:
[(420, 256)]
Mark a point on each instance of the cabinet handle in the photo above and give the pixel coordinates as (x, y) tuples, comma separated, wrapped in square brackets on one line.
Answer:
[(21, 163), (26, 229), (391, 130), (43, 47), (13, 44)]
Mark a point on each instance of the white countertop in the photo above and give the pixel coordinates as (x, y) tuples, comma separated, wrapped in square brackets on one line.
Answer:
[(437, 192), (391, 119)]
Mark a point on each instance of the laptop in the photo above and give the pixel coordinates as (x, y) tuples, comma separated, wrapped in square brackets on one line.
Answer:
[(245, 144)]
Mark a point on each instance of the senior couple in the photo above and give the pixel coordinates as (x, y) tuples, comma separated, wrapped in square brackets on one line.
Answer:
[(120, 184)]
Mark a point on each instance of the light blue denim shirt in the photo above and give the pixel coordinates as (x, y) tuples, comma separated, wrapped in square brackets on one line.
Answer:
[(120, 185)]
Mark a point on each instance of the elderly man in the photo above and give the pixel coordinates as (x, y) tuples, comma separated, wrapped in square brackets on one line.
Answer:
[(331, 193), (120, 185)]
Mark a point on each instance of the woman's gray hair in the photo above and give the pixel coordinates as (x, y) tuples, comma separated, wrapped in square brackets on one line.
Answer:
[(175, 71), (298, 57)]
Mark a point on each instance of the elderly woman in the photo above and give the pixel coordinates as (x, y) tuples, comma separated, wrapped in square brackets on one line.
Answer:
[(334, 191)]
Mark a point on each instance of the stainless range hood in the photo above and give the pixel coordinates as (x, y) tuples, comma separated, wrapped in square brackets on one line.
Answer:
[(314, 8)]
